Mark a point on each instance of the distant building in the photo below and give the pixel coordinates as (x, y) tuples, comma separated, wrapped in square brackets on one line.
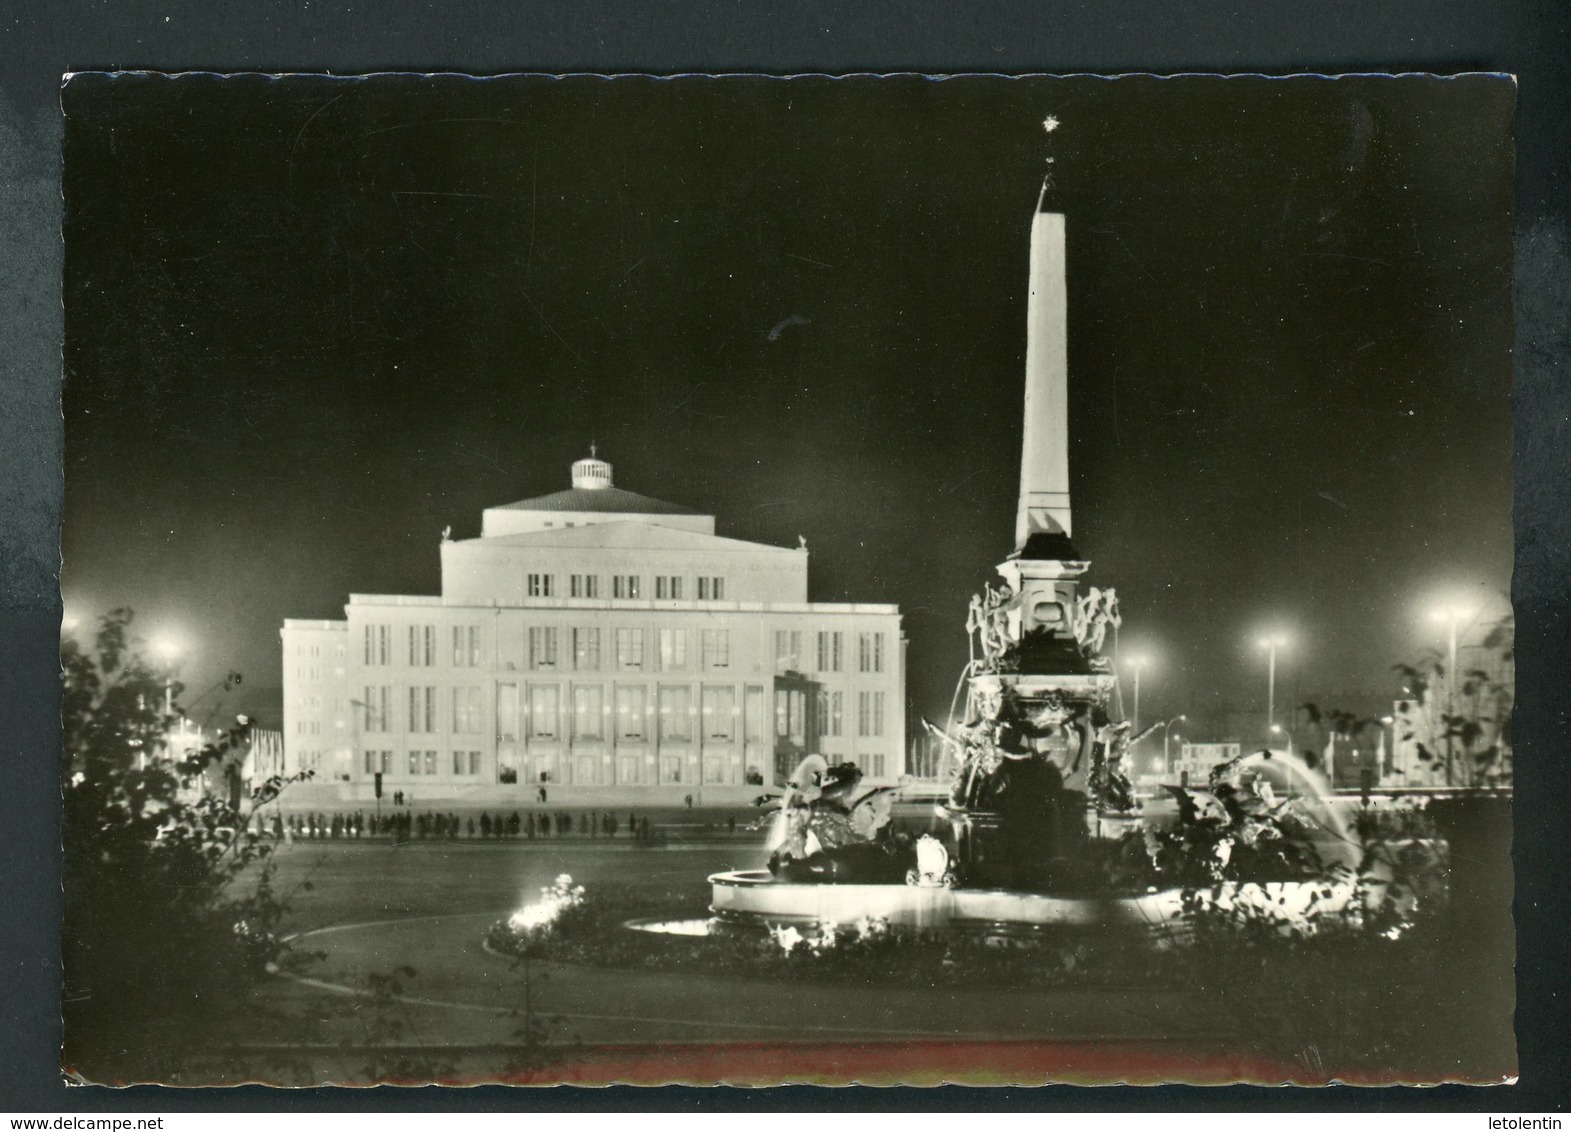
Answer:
[(1193, 764), (596, 638), (233, 775)]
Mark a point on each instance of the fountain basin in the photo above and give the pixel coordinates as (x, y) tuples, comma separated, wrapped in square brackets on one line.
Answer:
[(755, 898)]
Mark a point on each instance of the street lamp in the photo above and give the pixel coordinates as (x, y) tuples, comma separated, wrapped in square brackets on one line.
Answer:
[(1137, 663), (355, 750), (1271, 643), (168, 651), (1278, 729), (1450, 616)]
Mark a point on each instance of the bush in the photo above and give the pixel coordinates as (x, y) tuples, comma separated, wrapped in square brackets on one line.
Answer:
[(170, 915)]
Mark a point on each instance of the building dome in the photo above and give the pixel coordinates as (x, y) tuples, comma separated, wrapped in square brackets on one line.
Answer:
[(590, 473)]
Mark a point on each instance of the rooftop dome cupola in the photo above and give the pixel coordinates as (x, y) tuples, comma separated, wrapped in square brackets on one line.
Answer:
[(591, 474)]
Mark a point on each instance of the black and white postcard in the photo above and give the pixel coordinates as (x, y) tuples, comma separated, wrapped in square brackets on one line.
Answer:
[(742, 579)]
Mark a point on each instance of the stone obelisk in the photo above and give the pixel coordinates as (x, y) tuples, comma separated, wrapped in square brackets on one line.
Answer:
[(1044, 460), (1044, 568)]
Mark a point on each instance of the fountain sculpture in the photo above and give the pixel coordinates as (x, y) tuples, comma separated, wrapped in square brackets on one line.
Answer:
[(1038, 756)]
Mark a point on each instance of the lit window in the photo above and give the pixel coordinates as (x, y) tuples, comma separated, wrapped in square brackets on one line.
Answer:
[(588, 700), (378, 644), (466, 646), (586, 650), (377, 706), (870, 652), (629, 648), (716, 648), (673, 649), (422, 710), (719, 713), (422, 646), (630, 712), (543, 704), (507, 711), (790, 713), (676, 713), (466, 711), (542, 647), (788, 650)]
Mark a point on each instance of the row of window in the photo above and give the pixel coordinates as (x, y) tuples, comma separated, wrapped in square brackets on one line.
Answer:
[(627, 587), (317, 651), (876, 764), (586, 771), (629, 712), (793, 723), (309, 759), (421, 646), (588, 707), (552, 647), (464, 763), (831, 714), (830, 653), (584, 648)]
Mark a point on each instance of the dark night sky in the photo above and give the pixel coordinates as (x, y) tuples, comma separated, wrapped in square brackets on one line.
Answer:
[(310, 322)]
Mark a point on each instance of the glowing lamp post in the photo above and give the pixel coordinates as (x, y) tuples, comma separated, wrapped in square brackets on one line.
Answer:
[(1167, 731), (1271, 644), (1451, 616), (168, 651)]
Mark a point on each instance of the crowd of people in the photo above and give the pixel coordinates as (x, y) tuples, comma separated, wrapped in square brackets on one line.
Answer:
[(405, 825)]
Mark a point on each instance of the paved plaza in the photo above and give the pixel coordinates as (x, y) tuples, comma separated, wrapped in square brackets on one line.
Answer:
[(373, 907)]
